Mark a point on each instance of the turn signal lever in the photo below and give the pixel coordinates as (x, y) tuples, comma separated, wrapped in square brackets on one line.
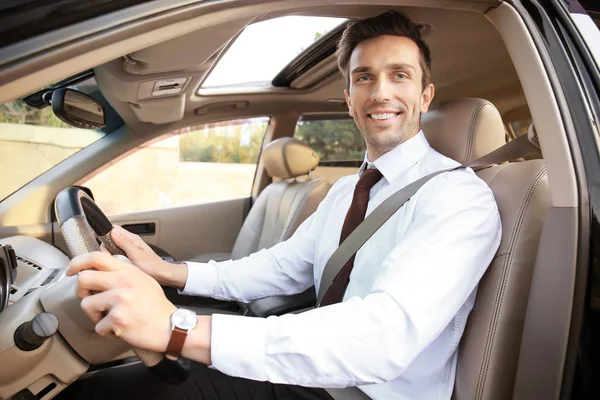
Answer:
[(32, 334)]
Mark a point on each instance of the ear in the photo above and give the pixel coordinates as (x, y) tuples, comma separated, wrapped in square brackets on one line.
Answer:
[(427, 97), (348, 102)]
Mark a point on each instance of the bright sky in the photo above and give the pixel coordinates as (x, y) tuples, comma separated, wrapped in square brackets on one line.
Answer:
[(264, 48)]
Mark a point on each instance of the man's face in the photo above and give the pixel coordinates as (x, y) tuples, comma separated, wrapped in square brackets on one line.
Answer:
[(385, 95)]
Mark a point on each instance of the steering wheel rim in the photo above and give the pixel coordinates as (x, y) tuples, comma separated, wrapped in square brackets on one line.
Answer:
[(79, 217)]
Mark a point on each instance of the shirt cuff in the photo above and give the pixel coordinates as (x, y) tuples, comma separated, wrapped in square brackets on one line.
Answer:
[(238, 346), (201, 279)]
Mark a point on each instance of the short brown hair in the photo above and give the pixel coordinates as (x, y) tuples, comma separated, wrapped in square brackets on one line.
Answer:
[(392, 23)]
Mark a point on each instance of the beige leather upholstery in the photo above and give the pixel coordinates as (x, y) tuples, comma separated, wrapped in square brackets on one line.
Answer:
[(288, 158), (276, 214), (489, 350), (466, 129), (463, 129), (282, 206), (278, 211)]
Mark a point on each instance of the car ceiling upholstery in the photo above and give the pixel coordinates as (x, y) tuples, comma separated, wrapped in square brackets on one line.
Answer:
[(469, 60)]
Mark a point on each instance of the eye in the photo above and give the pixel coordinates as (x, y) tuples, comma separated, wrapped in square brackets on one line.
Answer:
[(401, 75), (362, 78)]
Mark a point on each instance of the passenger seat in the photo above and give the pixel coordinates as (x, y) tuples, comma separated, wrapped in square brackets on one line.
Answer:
[(283, 205), (278, 211)]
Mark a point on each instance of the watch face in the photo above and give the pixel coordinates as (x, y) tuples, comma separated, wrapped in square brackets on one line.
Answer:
[(184, 319)]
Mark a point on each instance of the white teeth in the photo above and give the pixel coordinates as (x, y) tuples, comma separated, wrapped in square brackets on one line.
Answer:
[(383, 116)]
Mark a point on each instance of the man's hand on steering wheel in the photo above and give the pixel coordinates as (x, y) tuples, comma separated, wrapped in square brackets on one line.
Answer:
[(125, 302), (143, 257), (122, 301)]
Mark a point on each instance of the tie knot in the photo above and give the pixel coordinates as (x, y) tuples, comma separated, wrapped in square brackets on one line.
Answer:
[(368, 178)]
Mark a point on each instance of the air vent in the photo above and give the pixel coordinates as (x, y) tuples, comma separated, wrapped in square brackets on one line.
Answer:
[(25, 261)]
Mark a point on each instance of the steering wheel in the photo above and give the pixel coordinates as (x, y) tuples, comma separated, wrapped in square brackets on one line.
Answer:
[(79, 218)]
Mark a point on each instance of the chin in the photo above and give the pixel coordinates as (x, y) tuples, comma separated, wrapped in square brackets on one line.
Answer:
[(384, 144)]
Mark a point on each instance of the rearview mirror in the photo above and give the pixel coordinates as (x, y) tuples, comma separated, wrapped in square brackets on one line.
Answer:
[(77, 109)]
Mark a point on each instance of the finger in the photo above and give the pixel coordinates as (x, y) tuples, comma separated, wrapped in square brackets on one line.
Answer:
[(122, 237), (96, 281), (82, 293), (104, 249), (106, 327), (95, 260), (97, 306), (126, 240)]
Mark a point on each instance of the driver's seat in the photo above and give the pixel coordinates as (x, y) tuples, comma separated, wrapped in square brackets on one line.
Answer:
[(489, 351)]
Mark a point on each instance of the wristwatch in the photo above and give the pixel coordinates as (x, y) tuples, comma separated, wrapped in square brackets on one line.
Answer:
[(182, 322)]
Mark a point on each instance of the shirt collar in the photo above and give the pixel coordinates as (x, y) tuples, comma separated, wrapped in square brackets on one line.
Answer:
[(398, 160)]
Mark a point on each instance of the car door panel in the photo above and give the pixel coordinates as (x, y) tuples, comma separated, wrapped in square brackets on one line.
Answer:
[(185, 232)]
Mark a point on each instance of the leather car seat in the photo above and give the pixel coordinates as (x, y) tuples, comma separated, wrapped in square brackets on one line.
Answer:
[(283, 205), (465, 130), (277, 212)]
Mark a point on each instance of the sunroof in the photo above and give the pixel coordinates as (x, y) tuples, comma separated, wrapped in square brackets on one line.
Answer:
[(265, 48)]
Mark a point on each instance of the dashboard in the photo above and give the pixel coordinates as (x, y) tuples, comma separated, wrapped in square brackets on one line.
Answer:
[(46, 339), (37, 264)]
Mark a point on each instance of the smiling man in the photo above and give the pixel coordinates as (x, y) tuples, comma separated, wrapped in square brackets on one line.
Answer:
[(392, 319), (387, 90)]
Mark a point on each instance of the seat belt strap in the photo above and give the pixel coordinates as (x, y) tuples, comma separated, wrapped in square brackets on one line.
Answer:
[(351, 393), (520, 147)]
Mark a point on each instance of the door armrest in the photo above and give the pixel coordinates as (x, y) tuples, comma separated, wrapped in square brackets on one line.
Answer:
[(279, 305)]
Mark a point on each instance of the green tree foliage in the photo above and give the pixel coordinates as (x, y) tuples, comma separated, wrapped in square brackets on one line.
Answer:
[(240, 141), (332, 139), (17, 112), (230, 142)]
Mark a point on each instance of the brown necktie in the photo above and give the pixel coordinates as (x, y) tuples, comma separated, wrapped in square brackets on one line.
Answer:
[(356, 214)]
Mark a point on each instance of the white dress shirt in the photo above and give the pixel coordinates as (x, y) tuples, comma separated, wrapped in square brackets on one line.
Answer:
[(395, 335)]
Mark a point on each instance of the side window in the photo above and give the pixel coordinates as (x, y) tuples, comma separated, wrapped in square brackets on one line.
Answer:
[(338, 142), (199, 164), (32, 141)]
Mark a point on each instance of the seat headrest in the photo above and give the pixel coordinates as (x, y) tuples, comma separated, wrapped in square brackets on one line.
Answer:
[(463, 129), (287, 157)]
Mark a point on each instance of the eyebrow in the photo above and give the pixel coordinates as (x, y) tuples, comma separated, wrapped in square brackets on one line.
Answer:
[(394, 66)]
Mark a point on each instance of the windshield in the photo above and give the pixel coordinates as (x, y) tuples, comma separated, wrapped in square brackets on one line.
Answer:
[(33, 141)]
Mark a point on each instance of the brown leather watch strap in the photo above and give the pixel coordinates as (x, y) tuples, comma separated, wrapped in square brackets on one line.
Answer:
[(176, 342)]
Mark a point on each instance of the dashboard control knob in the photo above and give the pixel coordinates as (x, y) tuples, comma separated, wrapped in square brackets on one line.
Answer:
[(32, 334)]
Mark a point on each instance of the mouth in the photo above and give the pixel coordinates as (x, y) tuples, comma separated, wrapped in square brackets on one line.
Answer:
[(383, 117)]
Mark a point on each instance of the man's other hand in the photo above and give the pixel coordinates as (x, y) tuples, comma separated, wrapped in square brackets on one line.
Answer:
[(143, 257), (122, 301)]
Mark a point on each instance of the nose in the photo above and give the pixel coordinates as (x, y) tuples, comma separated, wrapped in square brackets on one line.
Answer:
[(381, 91)]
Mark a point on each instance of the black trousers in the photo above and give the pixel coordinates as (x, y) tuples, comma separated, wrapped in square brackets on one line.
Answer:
[(135, 381)]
